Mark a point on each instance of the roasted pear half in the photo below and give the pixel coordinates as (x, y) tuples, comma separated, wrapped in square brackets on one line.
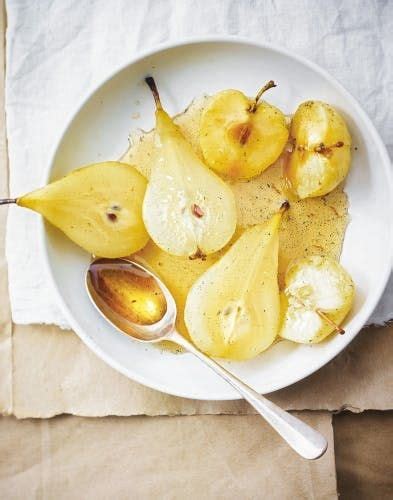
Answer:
[(318, 296), (321, 154), (188, 210), (233, 309), (241, 137), (99, 207)]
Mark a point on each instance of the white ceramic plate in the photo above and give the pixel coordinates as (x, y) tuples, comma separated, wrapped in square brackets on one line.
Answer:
[(99, 131)]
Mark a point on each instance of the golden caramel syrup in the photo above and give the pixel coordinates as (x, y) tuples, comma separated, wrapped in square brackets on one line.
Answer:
[(126, 292), (313, 226)]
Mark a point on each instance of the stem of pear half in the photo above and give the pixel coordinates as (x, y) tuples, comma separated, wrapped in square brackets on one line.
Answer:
[(269, 85), (338, 328), (153, 87), (284, 206), (7, 201)]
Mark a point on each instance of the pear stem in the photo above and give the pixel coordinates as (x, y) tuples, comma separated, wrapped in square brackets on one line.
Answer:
[(324, 316), (338, 328), (284, 206), (153, 87), (269, 85), (7, 201)]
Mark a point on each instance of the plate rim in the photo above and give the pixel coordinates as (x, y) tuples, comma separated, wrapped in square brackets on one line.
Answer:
[(140, 55)]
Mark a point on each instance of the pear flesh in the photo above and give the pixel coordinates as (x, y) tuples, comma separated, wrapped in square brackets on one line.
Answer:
[(188, 210), (318, 296), (322, 150), (99, 207), (241, 137), (232, 310)]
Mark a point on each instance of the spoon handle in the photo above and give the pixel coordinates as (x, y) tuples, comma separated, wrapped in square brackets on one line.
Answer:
[(301, 437)]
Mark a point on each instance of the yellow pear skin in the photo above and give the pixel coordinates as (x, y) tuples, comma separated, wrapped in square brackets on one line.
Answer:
[(233, 310), (99, 207)]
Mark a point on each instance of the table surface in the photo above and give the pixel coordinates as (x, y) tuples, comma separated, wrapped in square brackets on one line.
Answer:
[(34, 462)]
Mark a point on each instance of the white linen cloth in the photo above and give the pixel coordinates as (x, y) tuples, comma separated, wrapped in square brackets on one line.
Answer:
[(59, 50)]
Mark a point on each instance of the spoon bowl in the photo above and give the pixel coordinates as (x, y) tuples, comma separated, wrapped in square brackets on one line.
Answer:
[(137, 303), (109, 304)]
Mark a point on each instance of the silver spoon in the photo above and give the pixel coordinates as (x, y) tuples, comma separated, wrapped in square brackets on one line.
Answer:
[(159, 324)]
